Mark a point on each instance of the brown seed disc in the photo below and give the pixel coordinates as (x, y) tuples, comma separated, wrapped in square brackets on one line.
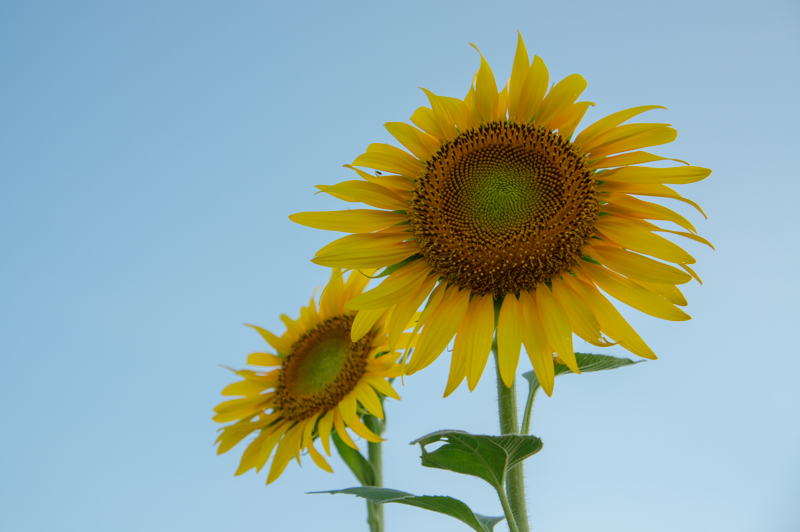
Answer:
[(504, 207), (322, 368)]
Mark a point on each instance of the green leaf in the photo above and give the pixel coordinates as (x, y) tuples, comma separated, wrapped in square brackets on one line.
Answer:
[(485, 457), (587, 363), (359, 465), (443, 505)]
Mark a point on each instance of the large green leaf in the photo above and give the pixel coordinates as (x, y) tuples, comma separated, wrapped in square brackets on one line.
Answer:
[(485, 457), (359, 465), (587, 363), (443, 505)]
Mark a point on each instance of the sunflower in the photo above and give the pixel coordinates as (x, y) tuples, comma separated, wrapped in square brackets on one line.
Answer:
[(506, 224), (322, 382)]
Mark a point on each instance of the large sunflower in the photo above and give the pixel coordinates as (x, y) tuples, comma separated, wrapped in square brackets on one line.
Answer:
[(322, 381), (501, 219)]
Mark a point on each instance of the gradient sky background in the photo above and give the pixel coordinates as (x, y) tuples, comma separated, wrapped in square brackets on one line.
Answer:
[(150, 154)]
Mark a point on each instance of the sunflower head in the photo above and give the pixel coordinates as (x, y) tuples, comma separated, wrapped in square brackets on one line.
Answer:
[(321, 381), (496, 204)]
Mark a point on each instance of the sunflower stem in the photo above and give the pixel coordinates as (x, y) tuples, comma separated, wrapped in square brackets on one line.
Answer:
[(509, 424), (375, 511)]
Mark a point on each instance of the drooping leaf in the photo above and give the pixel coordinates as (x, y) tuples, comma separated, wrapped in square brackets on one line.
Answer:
[(359, 465), (485, 457), (587, 363), (435, 503)]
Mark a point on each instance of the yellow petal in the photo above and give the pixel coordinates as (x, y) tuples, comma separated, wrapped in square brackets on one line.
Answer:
[(560, 98), (405, 310), (637, 267), (240, 405), (365, 253), (279, 344), (690, 236), (359, 428), (324, 428), (246, 388), (486, 91), (608, 123), (633, 294), (356, 283), (264, 359), (228, 440), (348, 406), (691, 272), (352, 221), (568, 121), (396, 183), (363, 323), (502, 103), (424, 119), (655, 190), (330, 301), (580, 316), (269, 444), (418, 142), (536, 344), (318, 458), (636, 157), (441, 114), (556, 326), (459, 113), (250, 455), (457, 373), (372, 194), (476, 340), (382, 386), (396, 286), (434, 301), (623, 141), (533, 90), (289, 446), (625, 205), (679, 175), (667, 291), (611, 321), (471, 102), (642, 240), (340, 430), (440, 329), (509, 338), (369, 399), (519, 72), (308, 429), (365, 242), (390, 159)]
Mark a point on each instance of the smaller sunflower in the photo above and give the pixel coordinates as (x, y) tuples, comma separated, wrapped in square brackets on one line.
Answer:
[(321, 382)]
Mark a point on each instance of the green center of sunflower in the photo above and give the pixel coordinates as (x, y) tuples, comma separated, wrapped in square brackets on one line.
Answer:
[(322, 368), (504, 207)]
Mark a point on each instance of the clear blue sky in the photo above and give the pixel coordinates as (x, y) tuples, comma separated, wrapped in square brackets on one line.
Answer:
[(150, 154)]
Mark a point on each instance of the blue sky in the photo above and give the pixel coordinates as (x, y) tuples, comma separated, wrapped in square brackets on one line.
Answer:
[(150, 154)]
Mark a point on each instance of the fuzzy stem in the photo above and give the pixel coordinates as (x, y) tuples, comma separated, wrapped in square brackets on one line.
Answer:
[(375, 511), (509, 424)]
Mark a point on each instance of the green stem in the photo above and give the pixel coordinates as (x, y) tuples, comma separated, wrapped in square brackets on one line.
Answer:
[(509, 424), (375, 511), (526, 417), (512, 524)]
